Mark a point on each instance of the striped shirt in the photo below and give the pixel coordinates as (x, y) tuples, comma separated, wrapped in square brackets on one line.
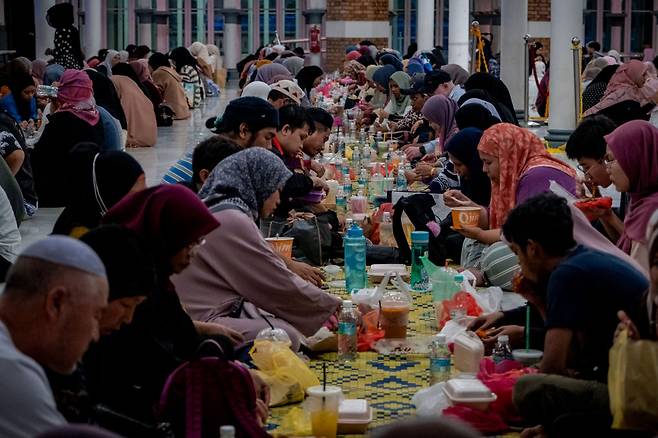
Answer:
[(181, 171)]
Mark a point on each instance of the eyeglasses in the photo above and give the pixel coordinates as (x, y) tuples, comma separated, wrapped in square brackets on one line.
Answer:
[(586, 171)]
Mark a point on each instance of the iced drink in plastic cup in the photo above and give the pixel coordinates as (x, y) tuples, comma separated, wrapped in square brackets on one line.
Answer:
[(323, 404), (395, 315)]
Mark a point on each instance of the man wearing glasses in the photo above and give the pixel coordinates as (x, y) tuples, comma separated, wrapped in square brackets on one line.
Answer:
[(587, 146)]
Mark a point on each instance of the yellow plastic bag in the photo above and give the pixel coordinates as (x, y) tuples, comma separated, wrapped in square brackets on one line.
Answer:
[(285, 373), (297, 422), (633, 384)]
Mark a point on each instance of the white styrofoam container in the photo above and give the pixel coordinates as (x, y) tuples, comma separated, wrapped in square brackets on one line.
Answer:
[(354, 416), (469, 392), (382, 270), (468, 352)]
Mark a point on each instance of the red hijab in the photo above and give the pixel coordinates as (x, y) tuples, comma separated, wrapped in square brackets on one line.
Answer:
[(168, 217)]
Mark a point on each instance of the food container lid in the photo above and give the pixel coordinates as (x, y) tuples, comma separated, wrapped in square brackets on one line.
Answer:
[(396, 299), (386, 268), (354, 410), (523, 354), (468, 390), (329, 391)]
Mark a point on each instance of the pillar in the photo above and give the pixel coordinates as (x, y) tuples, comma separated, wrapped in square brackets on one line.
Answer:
[(458, 29), (314, 13), (425, 25), (44, 34), (566, 23), (232, 36), (93, 22), (162, 26), (615, 30), (513, 26), (144, 23), (350, 21)]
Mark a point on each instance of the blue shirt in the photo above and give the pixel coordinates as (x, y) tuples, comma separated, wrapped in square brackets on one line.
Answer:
[(112, 130), (181, 171), (584, 294), (9, 104)]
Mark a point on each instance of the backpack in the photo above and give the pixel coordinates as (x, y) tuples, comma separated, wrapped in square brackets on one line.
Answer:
[(206, 393), (164, 116), (419, 210)]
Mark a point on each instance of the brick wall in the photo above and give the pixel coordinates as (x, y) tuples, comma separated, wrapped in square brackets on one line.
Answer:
[(354, 10), (336, 49), (547, 47), (540, 10)]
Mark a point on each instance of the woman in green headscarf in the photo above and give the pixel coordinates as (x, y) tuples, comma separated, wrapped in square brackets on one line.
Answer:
[(398, 104)]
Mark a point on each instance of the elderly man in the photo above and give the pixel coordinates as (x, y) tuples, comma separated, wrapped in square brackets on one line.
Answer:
[(49, 313)]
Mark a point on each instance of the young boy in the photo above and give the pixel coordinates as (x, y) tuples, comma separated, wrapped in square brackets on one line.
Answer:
[(314, 143)]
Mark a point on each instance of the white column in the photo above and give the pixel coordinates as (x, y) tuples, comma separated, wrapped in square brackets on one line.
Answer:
[(513, 26), (458, 28), (425, 25), (93, 24), (144, 29), (232, 35), (44, 34), (566, 23)]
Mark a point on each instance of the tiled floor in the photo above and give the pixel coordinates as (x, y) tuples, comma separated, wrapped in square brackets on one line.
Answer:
[(172, 143)]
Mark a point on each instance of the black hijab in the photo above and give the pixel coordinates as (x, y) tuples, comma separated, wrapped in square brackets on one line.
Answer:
[(504, 113), (474, 115), (464, 146), (19, 81), (182, 57), (106, 95), (307, 76), (158, 60), (496, 89), (97, 181)]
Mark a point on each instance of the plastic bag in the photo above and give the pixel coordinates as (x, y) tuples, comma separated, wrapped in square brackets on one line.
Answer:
[(430, 401), (633, 383), (452, 328), (462, 303), (297, 422), (486, 422), (500, 379), (369, 333), (285, 373)]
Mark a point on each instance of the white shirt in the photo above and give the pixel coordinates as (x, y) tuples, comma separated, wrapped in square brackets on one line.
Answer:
[(27, 406)]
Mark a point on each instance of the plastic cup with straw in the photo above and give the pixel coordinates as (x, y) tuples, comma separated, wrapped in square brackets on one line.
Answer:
[(527, 356)]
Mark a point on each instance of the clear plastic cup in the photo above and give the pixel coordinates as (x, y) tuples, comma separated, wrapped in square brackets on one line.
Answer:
[(322, 404), (527, 357), (394, 316)]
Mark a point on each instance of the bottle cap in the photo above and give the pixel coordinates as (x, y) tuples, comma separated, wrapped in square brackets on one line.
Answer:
[(420, 237), (355, 231), (227, 431), (459, 278), (441, 339), (503, 338), (347, 304)]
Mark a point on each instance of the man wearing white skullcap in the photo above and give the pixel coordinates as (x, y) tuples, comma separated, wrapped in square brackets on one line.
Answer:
[(54, 297)]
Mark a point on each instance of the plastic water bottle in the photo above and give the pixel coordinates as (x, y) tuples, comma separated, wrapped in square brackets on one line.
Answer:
[(347, 342), (419, 246), (439, 360), (356, 157), (227, 432), (347, 186), (355, 258), (341, 203), (386, 236), (402, 179), (502, 351)]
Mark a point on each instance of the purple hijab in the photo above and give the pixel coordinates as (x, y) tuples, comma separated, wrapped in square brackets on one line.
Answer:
[(441, 110), (635, 146), (268, 72)]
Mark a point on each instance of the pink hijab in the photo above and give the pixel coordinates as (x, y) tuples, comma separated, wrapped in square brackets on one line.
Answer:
[(441, 110), (635, 146), (352, 56), (76, 95), (141, 68), (628, 83)]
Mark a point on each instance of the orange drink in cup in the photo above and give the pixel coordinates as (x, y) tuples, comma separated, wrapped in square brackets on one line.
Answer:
[(281, 245), (322, 403), (465, 217)]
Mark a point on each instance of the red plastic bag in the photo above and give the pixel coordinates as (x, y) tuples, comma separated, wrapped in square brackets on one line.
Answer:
[(500, 379), (486, 422), (461, 300), (369, 333)]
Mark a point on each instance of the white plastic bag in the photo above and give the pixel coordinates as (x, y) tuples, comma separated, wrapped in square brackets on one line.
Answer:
[(488, 299), (431, 401), (453, 328)]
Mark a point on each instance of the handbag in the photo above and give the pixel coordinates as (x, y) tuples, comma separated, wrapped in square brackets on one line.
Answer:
[(164, 116), (633, 383)]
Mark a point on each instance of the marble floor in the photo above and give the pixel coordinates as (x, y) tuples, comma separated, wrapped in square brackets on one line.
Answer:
[(172, 143)]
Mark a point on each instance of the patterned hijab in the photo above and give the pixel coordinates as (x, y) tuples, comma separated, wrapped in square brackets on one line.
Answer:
[(518, 150), (245, 179), (635, 146)]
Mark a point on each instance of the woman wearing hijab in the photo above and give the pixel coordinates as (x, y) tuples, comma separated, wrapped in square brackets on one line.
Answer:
[(632, 163), (631, 81), (105, 95), (268, 73), (75, 119), (256, 89), (519, 167), (294, 64), (377, 97), (440, 111), (592, 69), (161, 336), (355, 71), (112, 58), (139, 111), (392, 60), (398, 103), (249, 296), (594, 92), (462, 150), (476, 113), (382, 77), (216, 64), (497, 90), (144, 79), (21, 103), (166, 78), (186, 67), (352, 55), (200, 53), (53, 73), (309, 77), (97, 182), (38, 70), (458, 75), (67, 50)]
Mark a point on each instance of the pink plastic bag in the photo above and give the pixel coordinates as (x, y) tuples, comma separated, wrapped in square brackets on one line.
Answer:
[(486, 422), (500, 379)]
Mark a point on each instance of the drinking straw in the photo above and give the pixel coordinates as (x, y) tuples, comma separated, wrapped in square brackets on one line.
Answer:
[(267, 321), (379, 316), (527, 326), (324, 376)]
